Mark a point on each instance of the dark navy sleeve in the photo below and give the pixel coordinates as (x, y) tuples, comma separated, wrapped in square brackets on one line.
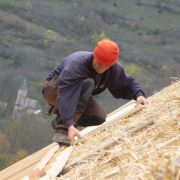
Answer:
[(68, 95), (122, 85)]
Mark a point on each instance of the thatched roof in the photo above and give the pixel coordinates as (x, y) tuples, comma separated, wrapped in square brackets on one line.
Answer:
[(146, 153), (142, 145)]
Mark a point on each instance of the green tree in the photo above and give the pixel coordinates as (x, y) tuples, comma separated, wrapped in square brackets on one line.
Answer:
[(95, 37)]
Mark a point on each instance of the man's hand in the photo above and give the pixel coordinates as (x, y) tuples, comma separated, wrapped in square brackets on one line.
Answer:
[(141, 100), (72, 132)]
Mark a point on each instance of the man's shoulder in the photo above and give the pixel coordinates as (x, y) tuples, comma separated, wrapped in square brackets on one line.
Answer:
[(78, 58), (81, 55), (78, 62)]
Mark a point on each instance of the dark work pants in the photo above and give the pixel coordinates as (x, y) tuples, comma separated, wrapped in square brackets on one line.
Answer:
[(88, 111)]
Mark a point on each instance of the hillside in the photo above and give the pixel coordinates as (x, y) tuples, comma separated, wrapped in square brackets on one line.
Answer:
[(35, 35)]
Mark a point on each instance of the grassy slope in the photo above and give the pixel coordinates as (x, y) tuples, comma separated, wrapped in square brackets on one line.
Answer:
[(148, 38)]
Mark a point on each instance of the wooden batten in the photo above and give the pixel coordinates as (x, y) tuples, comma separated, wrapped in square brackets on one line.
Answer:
[(125, 110), (60, 162), (38, 170)]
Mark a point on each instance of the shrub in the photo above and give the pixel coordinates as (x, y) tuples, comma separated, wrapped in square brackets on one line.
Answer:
[(132, 69), (95, 37)]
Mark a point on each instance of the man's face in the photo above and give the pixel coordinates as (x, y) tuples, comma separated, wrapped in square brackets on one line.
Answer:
[(99, 67)]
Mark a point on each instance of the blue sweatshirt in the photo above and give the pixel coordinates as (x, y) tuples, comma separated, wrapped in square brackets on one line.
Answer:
[(77, 67)]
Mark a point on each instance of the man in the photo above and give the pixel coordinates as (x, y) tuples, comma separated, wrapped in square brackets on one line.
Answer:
[(71, 85)]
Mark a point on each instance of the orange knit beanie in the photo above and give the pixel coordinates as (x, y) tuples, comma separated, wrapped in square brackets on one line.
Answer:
[(106, 52)]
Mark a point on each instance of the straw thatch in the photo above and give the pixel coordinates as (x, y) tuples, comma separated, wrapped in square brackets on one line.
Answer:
[(145, 145)]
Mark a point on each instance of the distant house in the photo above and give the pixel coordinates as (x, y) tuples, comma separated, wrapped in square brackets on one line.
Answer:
[(23, 103)]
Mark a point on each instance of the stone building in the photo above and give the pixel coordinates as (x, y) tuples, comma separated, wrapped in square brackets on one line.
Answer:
[(23, 103)]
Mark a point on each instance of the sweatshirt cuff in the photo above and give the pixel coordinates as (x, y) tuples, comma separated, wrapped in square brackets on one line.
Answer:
[(69, 123), (139, 93)]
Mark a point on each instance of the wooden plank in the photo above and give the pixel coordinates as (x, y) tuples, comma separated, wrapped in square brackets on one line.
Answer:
[(23, 173), (58, 165), (122, 107), (25, 163), (53, 159), (29, 170), (25, 178), (121, 112), (38, 170), (46, 177)]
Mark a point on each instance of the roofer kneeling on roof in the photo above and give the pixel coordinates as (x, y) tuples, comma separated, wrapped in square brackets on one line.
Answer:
[(71, 85)]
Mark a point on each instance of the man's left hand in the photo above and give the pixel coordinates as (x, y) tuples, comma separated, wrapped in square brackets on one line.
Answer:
[(141, 100)]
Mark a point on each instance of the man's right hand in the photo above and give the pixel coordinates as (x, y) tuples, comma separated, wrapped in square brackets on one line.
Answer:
[(72, 132)]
